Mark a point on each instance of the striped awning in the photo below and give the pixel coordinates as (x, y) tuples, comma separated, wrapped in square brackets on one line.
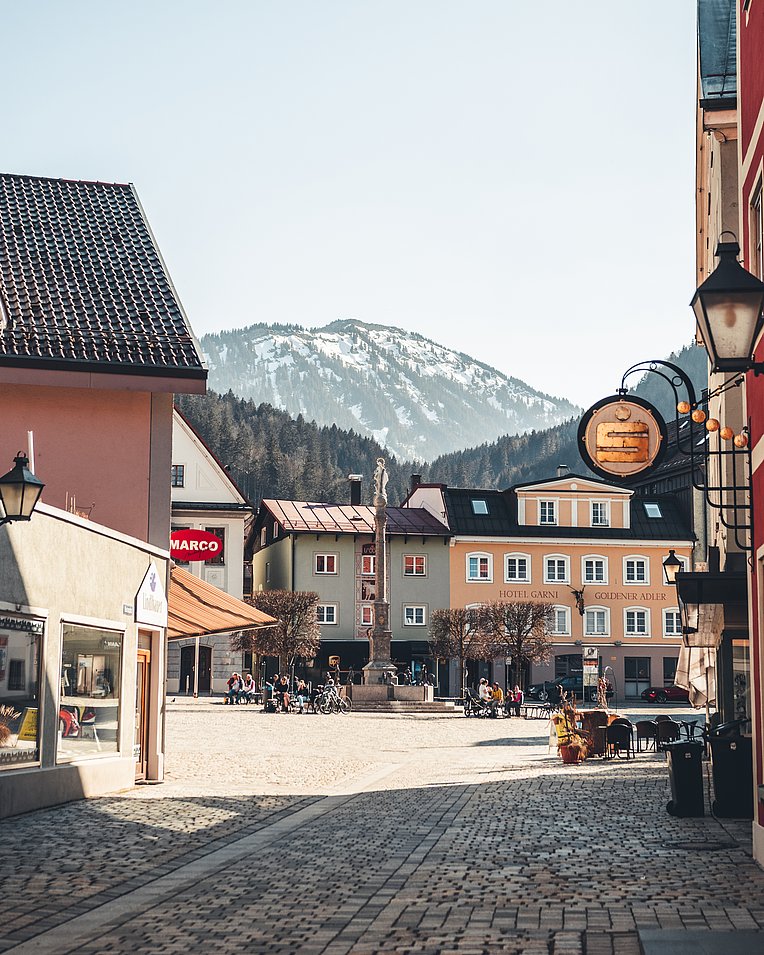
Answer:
[(196, 608)]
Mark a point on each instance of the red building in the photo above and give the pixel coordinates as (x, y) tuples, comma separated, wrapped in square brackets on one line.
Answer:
[(750, 32)]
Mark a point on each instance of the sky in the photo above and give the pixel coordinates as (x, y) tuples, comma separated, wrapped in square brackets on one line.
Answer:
[(511, 179)]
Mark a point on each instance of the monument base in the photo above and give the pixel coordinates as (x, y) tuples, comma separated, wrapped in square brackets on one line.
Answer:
[(381, 692), (376, 672)]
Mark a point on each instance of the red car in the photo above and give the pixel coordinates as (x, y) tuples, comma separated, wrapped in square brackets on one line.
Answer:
[(666, 694)]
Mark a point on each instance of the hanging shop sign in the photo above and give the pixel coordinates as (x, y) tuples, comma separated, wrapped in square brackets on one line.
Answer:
[(150, 601), (622, 437), (191, 544)]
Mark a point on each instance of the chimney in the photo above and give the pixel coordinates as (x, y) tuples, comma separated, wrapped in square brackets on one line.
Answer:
[(355, 488), (416, 480), (562, 470)]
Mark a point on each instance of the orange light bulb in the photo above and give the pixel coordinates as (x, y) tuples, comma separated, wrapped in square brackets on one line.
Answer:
[(726, 433), (712, 424), (683, 407), (698, 416), (741, 440)]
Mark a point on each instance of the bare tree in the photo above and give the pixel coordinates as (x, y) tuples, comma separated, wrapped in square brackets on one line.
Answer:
[(296, 634), (459, 633), (520, 630)]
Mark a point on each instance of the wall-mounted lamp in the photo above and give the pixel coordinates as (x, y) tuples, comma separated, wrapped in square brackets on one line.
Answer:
[(20, 491), (671, 567)]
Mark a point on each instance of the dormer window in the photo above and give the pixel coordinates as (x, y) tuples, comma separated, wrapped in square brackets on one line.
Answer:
[(653, 510), (547, 512), (600, 514), (479, 506)]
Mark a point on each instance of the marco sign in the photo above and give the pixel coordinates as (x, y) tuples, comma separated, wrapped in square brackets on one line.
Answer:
[(190, 544)]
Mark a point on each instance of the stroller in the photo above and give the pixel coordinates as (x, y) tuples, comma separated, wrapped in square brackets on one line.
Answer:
[(474, 706)]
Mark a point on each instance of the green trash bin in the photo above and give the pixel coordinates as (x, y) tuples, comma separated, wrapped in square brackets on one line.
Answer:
[(685, 765), (732, 762)]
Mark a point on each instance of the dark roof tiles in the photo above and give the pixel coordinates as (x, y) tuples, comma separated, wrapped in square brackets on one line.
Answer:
[(82, 281)]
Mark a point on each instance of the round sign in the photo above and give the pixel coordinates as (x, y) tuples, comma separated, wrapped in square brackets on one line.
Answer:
[(190, 544), (622, 437)]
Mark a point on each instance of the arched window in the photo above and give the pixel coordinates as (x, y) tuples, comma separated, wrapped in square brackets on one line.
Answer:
[(517, 568), (594, 569), (479, 568), (636, 622)]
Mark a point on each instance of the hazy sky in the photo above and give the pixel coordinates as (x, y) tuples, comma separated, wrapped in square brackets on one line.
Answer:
[(513, 179)]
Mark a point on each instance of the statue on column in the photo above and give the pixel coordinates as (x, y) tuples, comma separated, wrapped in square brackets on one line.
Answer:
[(380, 483)]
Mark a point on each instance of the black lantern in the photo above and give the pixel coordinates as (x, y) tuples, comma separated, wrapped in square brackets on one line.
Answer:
[(671, 567), (20, 491), (728, 308)]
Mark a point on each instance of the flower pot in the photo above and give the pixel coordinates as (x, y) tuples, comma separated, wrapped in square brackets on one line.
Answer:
[(571, 753)]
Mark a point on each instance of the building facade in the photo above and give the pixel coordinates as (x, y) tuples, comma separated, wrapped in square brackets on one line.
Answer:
[(329, 549), (591, 550), (205, 497)]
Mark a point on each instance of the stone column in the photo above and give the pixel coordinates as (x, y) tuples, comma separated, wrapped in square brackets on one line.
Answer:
[(380, 667)]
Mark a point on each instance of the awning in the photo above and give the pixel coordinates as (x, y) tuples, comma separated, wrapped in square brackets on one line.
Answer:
[(196, 608)]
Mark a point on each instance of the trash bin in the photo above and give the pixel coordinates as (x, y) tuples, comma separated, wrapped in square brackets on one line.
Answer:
[(686, 777), (732, 762)]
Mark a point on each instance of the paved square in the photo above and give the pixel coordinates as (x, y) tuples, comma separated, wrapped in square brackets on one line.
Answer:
[(361, 834)]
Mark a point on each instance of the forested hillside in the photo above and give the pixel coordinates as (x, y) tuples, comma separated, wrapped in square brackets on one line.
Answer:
[(270, 454)]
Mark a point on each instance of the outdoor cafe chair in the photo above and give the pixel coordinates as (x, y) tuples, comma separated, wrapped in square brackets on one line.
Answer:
[(619, 739), (669, 731), (647, 731)]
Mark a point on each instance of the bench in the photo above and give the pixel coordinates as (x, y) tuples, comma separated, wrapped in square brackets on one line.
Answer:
[(535, 711)]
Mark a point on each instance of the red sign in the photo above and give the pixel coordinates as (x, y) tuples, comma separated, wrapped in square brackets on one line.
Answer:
[(191, 544)]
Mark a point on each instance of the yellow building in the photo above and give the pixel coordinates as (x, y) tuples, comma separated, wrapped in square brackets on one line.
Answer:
[(592, 550)]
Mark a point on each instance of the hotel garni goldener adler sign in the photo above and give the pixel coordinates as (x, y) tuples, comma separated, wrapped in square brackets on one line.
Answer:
[(191, 544), (621, 437)]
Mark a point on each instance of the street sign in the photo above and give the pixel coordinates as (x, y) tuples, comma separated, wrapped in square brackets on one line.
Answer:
[(591, 653), (621, 437)]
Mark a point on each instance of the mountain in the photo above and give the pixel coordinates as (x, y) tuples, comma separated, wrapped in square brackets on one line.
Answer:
[(415, 397)]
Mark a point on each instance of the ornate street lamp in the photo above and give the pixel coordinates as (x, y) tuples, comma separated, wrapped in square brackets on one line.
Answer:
[(671, 567), (728, 308), (20, 491)]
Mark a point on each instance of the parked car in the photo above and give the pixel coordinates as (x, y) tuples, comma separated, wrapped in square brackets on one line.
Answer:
[(549, 690), (665, 694)]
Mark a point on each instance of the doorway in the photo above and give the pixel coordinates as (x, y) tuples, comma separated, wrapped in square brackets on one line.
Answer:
[(187, 670), (142, 697)]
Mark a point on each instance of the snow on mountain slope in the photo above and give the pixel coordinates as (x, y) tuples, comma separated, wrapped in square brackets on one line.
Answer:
[(417, 397)]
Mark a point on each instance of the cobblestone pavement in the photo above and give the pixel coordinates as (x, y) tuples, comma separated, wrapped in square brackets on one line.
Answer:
[(366, 834)]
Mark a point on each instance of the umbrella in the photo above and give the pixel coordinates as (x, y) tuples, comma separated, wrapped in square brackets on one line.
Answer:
[(696, 673)]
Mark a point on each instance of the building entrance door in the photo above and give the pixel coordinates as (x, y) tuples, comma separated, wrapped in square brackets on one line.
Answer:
[(187, 669), (142, 697)]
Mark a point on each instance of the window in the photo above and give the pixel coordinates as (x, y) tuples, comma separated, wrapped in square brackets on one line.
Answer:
[(597, 621), (479, 567), (757, 229), (637, 622), (594, 570), (414, 616), (91, 673), (636, 673), (547, 512), (263, 536), (672, 623), (326, 614), (600, 514), (326, 563), (635, 570), (367, 565), (367, 616), (276, 529), (653, 510), (414, 565), (479, 507), (561, 620), (182, 563), (20, 641), (556, 569), (219, 532), (517, 568), (178, 475), (669, 670), (267, 571)]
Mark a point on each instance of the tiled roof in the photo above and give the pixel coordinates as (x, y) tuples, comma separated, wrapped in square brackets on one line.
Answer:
[(304, 516), (501, 519), (82, 283)]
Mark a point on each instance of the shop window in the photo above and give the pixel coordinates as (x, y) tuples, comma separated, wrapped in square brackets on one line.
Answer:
[(89, 709), (669, 670), (636, 673), (19, 682), (219, 532)]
